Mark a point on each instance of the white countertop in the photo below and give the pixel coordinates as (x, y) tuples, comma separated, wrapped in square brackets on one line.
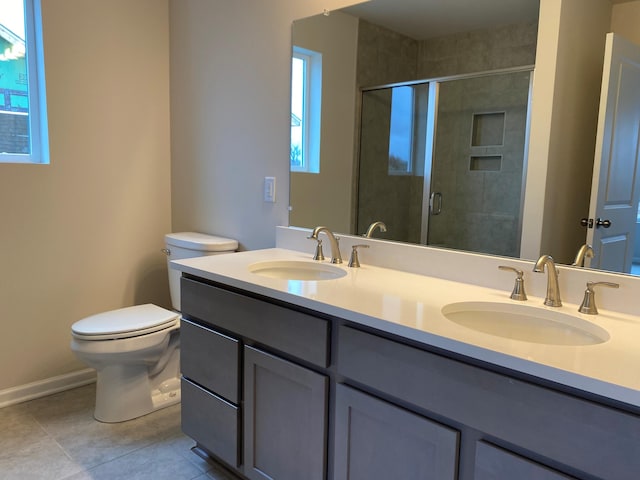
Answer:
[(409, 305)]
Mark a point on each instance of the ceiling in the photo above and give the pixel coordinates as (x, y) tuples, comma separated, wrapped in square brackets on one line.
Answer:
[(421, 19)]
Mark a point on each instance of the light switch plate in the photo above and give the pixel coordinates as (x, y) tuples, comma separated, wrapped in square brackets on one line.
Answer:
[(270, 189)]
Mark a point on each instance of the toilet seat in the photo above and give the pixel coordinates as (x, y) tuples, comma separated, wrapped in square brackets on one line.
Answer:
[(125, 323)]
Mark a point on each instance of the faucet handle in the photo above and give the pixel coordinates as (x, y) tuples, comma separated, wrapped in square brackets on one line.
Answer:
[(353, 260), (588, 305), (518, 292), (318, 255)]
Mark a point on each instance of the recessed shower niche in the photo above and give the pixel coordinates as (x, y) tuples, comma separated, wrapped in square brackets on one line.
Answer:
[(487, 129)]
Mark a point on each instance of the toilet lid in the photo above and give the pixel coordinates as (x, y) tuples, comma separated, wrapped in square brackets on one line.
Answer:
[(125, 322)]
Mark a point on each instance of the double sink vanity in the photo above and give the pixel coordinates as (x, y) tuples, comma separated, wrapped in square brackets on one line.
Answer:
[(415, 365)]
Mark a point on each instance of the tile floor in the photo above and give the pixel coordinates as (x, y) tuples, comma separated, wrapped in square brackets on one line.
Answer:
[(56, 438)]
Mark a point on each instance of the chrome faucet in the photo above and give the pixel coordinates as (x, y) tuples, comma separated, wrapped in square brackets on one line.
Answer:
[(333, 242), (586, 251), (553, 290), (373, 226)]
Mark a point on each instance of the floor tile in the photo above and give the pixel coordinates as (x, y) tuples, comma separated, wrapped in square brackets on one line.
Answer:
[(57, 438)]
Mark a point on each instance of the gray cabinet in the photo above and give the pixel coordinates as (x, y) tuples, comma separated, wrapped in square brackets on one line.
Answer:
[(210, 359), (285, 419), (580, 437), (492, 463), (211, 421), (275, 426), (264, 392), (210, 413), (378, 440), (293, 332)]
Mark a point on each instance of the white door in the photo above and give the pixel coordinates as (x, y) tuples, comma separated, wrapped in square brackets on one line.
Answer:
[(615, 190)]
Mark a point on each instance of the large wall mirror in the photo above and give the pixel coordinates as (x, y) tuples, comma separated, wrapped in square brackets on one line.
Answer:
[(424, 125)]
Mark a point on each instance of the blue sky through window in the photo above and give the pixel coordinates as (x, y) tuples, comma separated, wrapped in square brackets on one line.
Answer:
[(401, 130)]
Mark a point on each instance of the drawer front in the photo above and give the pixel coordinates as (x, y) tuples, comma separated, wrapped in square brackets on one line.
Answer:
[(299, 334), (210, 421), (209, 359), (548, 422)]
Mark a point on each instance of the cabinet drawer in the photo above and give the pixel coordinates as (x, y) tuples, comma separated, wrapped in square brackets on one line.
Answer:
[(210, 421), (558, 426), (290, 331), (492, 462), (209, 359)]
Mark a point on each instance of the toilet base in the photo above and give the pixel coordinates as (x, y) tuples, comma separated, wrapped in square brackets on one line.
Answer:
[(168, 394), (125, 392)]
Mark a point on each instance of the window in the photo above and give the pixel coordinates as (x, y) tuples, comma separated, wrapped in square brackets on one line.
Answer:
[(23, 119), (306, 101), (401, 131)]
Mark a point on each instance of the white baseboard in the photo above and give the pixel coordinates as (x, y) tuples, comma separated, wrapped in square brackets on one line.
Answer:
[(48, 386)]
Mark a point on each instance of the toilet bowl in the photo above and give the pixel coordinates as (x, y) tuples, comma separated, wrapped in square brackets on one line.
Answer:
[(136, 350)]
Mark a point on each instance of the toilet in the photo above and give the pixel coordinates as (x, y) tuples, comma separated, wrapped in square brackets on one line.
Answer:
[(136, 350)]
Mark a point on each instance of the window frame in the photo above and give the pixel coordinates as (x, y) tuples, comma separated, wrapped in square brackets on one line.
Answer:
[(37, 116)]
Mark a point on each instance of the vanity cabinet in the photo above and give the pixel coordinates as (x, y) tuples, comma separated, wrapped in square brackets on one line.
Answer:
[(280, 392), (254, 391), (376, 439), (546, 430)]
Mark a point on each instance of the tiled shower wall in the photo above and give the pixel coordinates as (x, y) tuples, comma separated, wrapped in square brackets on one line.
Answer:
[(480, 180)]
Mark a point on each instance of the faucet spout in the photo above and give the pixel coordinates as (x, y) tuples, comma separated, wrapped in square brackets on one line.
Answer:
[(333, 242), (373, 226), (553, 289), (586, 251)]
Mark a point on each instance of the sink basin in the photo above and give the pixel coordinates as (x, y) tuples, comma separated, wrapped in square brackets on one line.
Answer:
[(526, 323), (296, 270)]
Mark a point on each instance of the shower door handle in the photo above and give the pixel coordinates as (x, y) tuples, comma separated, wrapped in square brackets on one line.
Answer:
[(435, 203)]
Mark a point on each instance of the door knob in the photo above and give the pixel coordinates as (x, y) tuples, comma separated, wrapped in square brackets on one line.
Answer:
[(586, 222)]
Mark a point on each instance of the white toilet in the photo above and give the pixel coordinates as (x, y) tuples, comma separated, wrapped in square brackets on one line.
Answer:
[(136, 350)]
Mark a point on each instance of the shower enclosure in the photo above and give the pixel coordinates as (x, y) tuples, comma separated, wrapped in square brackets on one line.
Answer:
[(443, 162)]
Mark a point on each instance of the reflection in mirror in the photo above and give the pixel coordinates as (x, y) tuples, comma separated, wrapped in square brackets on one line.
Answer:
[(467, 195), (360, 53), (353, 147)]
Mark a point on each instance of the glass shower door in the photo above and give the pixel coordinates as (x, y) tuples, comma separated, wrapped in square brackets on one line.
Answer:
[(478, 164), (391, 160)]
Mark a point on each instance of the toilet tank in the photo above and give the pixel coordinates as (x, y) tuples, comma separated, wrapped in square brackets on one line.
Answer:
[(188, 245)]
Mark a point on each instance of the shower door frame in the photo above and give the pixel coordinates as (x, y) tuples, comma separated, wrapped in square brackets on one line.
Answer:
[(431, 129), (432, 119)]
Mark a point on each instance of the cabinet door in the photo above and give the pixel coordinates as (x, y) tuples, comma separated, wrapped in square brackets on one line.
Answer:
[(493, 463), (285, 413), (378, 440)]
